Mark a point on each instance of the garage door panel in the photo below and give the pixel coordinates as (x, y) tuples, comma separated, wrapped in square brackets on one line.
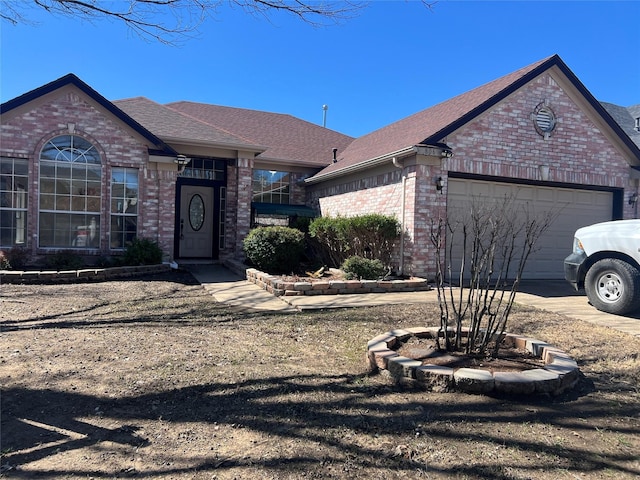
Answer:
[(574, 208)]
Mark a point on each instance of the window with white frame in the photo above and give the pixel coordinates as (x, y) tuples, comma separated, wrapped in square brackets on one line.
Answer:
[(271, 186), (124, 206), (14, 181), (70, 197)]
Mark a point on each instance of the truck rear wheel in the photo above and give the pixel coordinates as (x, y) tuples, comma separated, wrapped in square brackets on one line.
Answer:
[(613, 286)]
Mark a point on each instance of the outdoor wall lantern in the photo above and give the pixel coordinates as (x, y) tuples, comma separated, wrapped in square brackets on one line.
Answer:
[(439, 184), (182, 161), (633, 198)]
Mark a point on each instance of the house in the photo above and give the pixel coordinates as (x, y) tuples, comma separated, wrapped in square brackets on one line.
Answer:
[(84, 173), (536, 135)]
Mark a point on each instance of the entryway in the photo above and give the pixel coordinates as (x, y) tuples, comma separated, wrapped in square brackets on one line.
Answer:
[(196, 222)]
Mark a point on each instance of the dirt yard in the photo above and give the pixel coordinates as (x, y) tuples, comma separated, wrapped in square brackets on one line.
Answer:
[(151, 378)]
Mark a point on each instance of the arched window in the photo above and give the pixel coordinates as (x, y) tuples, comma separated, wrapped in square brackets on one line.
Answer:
[(70, 194)]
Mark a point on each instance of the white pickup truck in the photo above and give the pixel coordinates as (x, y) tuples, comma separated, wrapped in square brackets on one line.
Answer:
[(606, 263)]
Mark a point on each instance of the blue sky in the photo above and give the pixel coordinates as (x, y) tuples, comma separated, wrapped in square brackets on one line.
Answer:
[(391, 60)]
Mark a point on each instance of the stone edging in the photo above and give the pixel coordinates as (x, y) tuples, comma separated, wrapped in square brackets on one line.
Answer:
[(278, 287), (83, 275), (559, 374)]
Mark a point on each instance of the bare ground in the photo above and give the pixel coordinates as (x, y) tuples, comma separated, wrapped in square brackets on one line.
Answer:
[(151, 378)]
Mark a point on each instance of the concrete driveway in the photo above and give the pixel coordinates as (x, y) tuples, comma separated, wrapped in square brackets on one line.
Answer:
[(558, 296)]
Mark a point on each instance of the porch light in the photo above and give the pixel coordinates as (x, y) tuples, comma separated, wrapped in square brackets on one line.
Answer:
[(439, 184), (633, 198), (182, 161)]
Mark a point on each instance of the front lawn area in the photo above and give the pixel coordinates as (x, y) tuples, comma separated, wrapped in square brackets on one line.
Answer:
[(151, 378)]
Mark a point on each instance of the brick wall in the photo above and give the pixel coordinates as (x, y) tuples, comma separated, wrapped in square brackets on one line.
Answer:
[(501, 143), (24, 133), (504, 143), (238, 217)]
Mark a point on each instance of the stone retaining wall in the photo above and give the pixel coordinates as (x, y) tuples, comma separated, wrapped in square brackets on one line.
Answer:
[(83, 275), (559, 374), (279, 287)]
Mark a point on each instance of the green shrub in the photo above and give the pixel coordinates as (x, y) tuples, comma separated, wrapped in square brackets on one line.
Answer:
[(300, 223), (4, 261), (14, 259), (107, 262), (357, 267), (274, 249), (330, 236), (142, 251), (64, 260), (368, 236)]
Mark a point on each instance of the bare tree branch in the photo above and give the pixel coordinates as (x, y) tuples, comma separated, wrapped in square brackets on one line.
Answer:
[(169, 21)]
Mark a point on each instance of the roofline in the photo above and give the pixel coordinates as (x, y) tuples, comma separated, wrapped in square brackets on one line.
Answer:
[(71, 79), (555, 60), (203, 143), (404, 152)]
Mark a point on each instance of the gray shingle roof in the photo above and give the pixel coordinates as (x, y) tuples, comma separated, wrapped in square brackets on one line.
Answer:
[(287, 138), (626, 118)]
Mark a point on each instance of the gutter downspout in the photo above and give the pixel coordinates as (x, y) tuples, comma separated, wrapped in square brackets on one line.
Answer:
[(394, 160)]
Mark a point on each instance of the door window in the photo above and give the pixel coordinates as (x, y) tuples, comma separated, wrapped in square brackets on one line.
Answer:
[(196, 212)]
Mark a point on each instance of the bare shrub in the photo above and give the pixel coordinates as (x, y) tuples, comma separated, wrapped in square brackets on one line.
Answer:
[(494, 240)]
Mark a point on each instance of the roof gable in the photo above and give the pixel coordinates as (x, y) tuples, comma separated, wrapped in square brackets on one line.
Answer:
[(431, 125), (285, 137), (71, 79)]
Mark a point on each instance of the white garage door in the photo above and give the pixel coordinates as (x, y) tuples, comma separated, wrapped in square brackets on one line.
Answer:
[(576, 208)]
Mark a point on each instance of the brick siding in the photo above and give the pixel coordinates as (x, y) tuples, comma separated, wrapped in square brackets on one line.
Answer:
[(501, 142), (24, 135)]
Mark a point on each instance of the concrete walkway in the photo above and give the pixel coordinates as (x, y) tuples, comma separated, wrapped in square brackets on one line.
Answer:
[(555, 296)]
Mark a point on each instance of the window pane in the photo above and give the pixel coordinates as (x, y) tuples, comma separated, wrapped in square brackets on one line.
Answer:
[(93, 204), (13, 201), (47, 202), (13, 227), (47, 170), (271, 186), (78, 203), (63, 202), (93, 189), (78, 187), (70, 204), (6, 199), (117, 190), (94, 173), (63, 187), (63, 170), (124, 206)]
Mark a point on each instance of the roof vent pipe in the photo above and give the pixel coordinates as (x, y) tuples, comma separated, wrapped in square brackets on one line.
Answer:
[(335, 152), (637, 127)]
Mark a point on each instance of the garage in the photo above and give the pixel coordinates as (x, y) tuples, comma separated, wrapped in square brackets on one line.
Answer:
[(575, 208)]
